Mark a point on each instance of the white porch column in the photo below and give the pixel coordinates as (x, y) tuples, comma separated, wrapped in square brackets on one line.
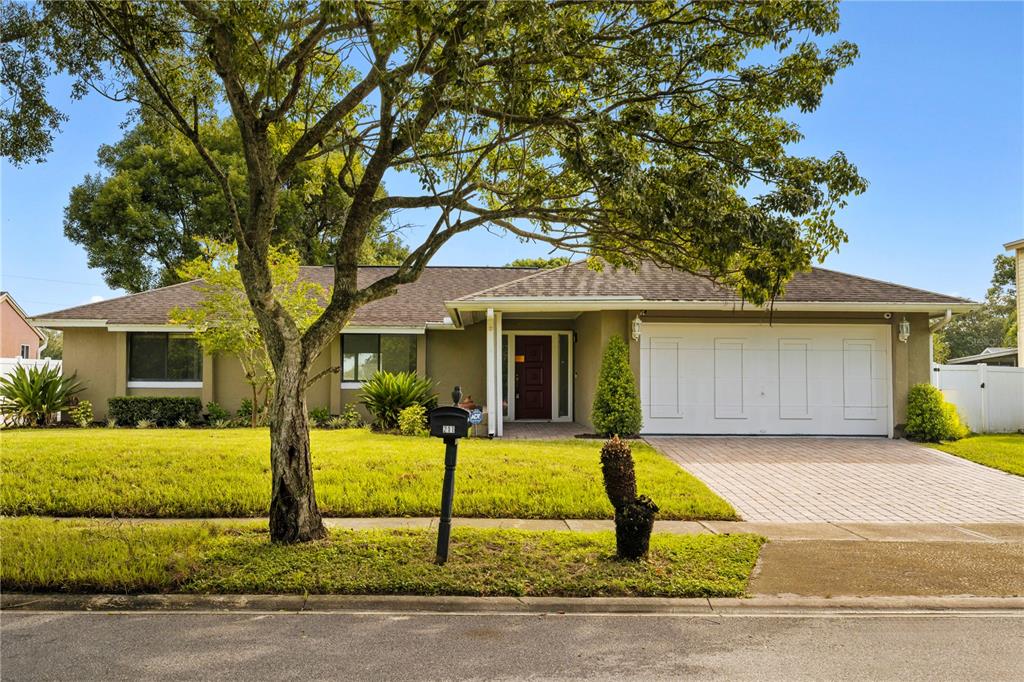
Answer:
[(492, 389), (499, 393)]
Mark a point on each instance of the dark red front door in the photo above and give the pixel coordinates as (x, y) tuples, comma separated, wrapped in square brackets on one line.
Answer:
[(533, 377)]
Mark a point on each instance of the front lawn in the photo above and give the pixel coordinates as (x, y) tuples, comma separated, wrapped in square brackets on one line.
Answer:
[(999, 451), (108, 556), (210, 472)]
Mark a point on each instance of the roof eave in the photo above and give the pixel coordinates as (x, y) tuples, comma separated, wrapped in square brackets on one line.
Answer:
[(583, 304)]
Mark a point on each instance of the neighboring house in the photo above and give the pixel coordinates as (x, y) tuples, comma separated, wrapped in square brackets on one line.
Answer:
[(1006, 357), (19, 338), (836, 356)]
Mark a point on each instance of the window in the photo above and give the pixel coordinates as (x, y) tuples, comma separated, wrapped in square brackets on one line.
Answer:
[(362, 355), (159, 356), (25, 350)]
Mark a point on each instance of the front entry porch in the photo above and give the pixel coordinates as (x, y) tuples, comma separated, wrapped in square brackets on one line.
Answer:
[(530, 376), (526, 430)]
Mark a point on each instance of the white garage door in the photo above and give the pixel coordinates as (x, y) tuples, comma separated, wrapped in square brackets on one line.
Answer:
[(760, 379)]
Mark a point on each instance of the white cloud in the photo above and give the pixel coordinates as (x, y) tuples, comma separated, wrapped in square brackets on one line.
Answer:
[(95, 299)]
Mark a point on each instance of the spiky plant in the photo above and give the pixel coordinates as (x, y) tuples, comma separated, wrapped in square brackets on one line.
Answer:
[(143, 424), (619, 472), (385, 395), (34, 396)]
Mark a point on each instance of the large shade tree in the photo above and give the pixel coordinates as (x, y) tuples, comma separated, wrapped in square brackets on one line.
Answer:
[(142, 217), (626, 130)]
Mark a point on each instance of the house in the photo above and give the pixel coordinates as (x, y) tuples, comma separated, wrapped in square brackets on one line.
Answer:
[(836, 355), (1005, 357), (1017, 247), (19, 338)]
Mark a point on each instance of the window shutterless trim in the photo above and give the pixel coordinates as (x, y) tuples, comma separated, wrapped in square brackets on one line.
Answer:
[(164, 384)]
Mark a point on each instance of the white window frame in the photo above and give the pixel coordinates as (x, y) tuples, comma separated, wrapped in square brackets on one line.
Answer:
[(26, 351), (510, 396)]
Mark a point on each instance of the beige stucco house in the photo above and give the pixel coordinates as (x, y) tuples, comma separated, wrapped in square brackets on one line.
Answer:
[(835, 356)]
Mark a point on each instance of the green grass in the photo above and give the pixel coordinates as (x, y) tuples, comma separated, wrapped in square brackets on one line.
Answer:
[(999, 451), (107, 556), (211, 472)]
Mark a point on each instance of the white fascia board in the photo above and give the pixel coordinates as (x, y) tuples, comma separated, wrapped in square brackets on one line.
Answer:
[(150, 328), (358, 329), (1014, 245), (164, 384), (616, 303), (57, 323)]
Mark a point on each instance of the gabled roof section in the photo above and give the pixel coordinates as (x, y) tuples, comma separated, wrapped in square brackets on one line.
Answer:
[(5, 297), (414, 305), (653, 283)]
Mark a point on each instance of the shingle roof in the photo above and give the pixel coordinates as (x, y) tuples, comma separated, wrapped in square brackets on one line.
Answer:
[(416, 304), (653, 283)]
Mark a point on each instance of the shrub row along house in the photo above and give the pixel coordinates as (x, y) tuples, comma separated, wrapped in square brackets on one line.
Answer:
[(836, 355)]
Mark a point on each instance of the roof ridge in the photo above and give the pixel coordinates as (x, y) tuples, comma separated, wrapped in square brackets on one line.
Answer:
[(539, 271), (893, 284)]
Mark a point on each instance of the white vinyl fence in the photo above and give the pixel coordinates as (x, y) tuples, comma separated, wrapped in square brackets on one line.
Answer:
[(989, 398), (7, 365)]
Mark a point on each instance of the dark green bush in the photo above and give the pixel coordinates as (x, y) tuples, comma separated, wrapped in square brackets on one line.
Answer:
[(216, 413), (930, 417), (161, 410), (633, 525), (385, 395), (617, 403)]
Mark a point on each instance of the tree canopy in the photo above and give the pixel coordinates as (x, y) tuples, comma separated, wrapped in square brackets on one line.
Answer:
[(546, 263), (144, 215), (626, 130), (992, 325)]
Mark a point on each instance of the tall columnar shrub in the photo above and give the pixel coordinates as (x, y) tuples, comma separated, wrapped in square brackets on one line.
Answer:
[(616, 408), (930, 417)]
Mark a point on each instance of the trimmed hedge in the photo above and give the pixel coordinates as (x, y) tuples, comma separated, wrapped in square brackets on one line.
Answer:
[(161, 410)]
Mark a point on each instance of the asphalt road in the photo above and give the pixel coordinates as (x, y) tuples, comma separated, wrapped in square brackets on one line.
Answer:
[(313, 646)]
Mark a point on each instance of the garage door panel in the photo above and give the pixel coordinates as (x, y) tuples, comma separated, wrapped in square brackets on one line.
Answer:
[(754, 379)]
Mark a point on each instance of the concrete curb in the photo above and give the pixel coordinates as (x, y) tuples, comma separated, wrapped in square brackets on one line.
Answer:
[(756, 605)]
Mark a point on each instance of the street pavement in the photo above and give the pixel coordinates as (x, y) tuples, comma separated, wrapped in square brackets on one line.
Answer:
[(251, 645)]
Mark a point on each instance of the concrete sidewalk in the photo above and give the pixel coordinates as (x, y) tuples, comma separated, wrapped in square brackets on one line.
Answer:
[(775, 531)]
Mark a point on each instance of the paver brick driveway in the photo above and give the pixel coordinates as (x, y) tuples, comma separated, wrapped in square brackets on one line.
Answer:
[(847, 479)]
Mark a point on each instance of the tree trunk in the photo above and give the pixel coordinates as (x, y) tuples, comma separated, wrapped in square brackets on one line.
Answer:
[(294, 516)]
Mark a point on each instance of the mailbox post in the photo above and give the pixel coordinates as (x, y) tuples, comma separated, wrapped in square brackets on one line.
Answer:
[(450, 424)]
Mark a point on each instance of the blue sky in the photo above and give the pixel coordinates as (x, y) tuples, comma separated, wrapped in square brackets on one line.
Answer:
[(932, 114)]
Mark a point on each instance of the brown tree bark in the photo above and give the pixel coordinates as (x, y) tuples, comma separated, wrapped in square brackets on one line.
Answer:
[(294, 515)]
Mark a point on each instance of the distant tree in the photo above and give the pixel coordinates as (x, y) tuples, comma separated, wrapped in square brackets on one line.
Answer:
[(143, 215), (54, 344), (631, 131), (991, 325), (940, 349), (225, 323), (546, 263)]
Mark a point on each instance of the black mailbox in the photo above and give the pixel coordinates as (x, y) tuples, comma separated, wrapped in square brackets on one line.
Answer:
[(449, 422)]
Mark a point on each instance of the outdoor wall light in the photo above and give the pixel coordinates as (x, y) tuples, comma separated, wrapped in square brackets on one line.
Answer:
[(904, 330), (637, 322)]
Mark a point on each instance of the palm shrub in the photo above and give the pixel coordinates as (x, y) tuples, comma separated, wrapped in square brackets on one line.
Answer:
[(386, 394), (930, 417), (619, 472), (634, 516), (34, 396), (616, 409)]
